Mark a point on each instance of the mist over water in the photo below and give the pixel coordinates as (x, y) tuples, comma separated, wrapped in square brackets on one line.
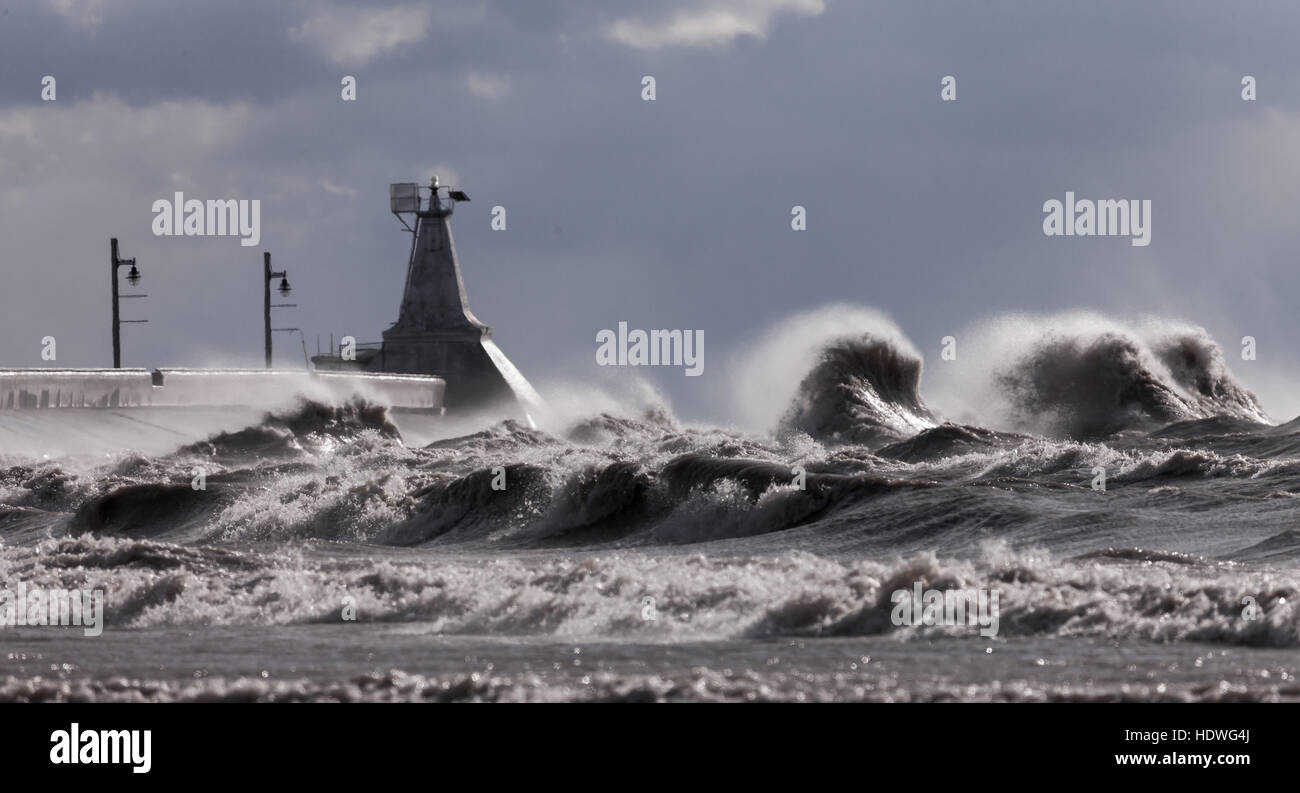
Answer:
[(613, 523)]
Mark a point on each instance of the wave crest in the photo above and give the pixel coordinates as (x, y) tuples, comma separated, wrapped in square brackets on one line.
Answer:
[(863, 390), (1084, 376)]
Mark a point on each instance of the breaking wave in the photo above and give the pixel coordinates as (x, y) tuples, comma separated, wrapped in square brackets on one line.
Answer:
[(1115, 593), (861, 390), (1083, 376)]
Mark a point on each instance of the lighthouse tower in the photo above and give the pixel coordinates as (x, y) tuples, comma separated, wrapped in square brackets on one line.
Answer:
[(435, 332)]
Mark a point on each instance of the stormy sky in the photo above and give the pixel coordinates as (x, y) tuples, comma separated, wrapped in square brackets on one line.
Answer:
[(666, 214)]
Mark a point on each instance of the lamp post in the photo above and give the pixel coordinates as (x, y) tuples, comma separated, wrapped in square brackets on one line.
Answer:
[(284, 289), (133, 278)]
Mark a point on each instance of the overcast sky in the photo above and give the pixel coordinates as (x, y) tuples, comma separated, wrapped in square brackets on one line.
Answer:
[(666, 214)]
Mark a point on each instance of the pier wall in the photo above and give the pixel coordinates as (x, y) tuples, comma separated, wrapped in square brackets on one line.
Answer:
[(45, 389)]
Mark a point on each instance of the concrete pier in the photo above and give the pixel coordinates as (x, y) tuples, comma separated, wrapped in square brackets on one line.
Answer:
[(44, 389)]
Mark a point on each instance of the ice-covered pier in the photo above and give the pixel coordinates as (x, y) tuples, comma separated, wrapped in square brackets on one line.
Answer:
[(45, 389)]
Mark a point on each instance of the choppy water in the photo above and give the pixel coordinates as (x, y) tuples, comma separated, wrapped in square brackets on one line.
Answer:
[(631, 556)]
